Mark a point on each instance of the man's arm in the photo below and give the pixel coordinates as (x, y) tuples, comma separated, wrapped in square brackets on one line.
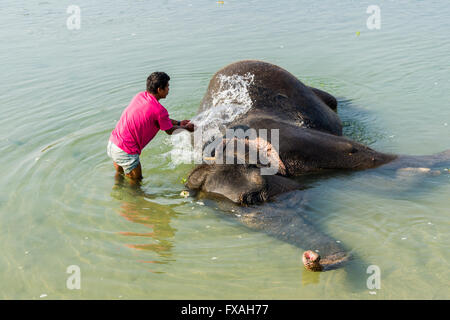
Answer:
[(185, 124)]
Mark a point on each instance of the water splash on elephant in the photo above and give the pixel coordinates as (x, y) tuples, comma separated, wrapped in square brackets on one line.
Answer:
[(230, 100)]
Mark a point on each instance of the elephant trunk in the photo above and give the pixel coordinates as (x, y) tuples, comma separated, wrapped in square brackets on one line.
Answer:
[(314, 262)]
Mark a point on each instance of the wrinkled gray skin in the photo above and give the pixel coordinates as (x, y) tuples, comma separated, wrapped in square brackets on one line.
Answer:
[(311, 140), (280, 96)]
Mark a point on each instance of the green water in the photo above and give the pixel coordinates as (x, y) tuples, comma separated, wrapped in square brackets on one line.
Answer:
[(62, 91)]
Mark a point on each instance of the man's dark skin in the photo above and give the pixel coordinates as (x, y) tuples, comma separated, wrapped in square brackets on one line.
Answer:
[(136, 174)]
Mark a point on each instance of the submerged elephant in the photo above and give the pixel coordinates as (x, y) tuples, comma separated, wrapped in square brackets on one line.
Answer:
[(310, 140)]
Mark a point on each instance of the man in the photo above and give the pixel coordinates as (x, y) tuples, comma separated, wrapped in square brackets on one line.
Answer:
[(138, 125)]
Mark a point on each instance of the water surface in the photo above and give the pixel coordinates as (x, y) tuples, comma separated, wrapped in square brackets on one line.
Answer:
[(62, 92)]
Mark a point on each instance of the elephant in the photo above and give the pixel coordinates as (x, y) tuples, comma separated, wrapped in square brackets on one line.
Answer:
[(310, 141)]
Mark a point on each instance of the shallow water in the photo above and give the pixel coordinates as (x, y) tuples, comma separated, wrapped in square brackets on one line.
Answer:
[(63, 90)]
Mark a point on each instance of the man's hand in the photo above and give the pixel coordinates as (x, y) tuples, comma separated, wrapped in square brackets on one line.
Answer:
[(189, 127), (185, 124)]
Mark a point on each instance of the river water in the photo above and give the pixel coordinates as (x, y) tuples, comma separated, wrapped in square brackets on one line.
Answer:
[(62, 91)]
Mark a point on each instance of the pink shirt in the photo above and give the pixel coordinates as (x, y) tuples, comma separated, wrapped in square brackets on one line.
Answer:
[(139, 123)]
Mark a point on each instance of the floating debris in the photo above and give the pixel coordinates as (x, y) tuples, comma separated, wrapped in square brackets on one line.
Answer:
[(184, 193), (214, 258), (372, 292), (404, 238), (358, 33), (42, 295), (200, 203)]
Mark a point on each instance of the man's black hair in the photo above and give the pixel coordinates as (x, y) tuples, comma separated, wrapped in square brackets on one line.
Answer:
[(157, 80)]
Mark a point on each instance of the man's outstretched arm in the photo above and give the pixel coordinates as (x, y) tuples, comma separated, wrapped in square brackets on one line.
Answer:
[(185, 124)]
